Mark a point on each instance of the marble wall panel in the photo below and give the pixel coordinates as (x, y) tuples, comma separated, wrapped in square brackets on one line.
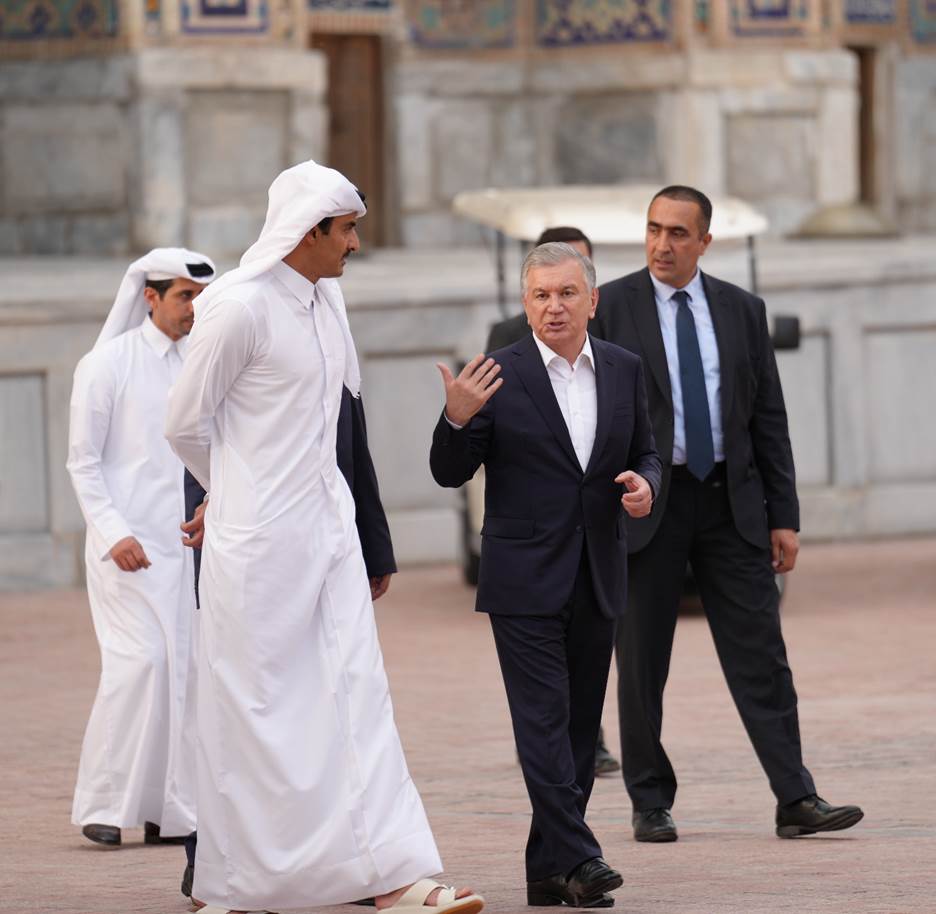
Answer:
[(608, 139), (64, 158), (805, 374), (23, 482), (237, 142), (901, 376)]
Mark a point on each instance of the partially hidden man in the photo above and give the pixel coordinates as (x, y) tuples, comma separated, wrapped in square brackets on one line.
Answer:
[(559, 420), (728, 506), (136, 755)]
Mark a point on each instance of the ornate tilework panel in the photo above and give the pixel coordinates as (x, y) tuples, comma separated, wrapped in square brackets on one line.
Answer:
[(461, 24), (351, 6), (23, 20), (583, 22), (769, 18), (923, 21), (870, 12), (224, 17)]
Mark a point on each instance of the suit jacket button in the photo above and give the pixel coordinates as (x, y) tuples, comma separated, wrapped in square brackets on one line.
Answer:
[(578, 529)]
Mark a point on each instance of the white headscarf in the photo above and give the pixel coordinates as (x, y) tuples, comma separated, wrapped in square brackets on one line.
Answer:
[(300, 198), (130, 308)]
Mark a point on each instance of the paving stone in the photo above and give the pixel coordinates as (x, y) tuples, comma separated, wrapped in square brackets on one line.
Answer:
[(860, 627)]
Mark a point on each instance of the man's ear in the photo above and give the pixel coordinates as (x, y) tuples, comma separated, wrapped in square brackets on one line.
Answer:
[(151, 296)]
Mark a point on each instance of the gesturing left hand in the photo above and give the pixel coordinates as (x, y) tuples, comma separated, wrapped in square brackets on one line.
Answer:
[(638, 496)]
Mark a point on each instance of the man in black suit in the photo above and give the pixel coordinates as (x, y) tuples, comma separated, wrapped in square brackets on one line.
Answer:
[(357, 467), (560, 423), (728, 506), (514, 329)]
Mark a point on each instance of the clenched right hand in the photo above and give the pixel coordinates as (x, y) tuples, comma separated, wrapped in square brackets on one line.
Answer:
[(128, 554), (476, 383)]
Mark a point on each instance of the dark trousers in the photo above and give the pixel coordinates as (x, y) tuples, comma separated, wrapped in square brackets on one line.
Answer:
[(740, 598), (555, 672)]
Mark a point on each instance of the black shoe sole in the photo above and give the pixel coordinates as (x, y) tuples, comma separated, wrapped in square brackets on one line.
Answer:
[(540, 900), (798, 831), (156, 839), (660, 837), (104, 842), (606, 769)]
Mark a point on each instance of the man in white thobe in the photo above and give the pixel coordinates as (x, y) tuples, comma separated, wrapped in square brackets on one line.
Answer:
[(135, 766), (303, 791)]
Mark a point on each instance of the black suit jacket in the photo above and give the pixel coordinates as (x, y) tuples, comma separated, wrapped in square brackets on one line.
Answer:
[(758, 456), (538, 504), (507, 332), (354, 461)]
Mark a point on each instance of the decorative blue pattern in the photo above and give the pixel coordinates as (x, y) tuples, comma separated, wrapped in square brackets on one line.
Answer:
[(224, 17), (26, 20), (350, 6), (462, 24), (923, 21), (573, 22), (871, 12), (769, 18)]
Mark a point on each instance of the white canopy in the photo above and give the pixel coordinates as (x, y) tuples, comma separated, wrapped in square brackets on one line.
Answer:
[(607, 213)]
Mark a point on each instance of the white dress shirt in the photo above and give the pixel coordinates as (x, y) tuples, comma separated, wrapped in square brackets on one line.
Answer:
[(708, 347), (577, 394)]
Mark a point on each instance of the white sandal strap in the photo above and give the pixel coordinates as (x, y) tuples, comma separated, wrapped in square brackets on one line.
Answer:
[(416, 895)]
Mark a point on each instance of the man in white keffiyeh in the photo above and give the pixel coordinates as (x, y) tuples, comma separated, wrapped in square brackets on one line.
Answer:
[(304, 797), (135, 767)]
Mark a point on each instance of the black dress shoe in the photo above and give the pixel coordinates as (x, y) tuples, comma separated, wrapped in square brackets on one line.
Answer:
[(151, 835), (102, 834), (188, 877), (654, 825), (812, 814), (605, 762), (366, 903), (584, 887)]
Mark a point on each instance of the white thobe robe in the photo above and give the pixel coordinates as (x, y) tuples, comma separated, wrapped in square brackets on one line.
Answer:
[(303, 790), (136, 758)]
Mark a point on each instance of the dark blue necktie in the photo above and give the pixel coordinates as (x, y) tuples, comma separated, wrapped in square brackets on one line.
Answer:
[(700, 453)]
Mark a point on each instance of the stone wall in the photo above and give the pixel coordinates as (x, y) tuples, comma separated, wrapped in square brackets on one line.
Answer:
[(915, 142), (165, 146), (776, 127)]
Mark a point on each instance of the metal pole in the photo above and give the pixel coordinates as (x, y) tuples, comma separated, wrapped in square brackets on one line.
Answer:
[(501, 274), (752, 263)]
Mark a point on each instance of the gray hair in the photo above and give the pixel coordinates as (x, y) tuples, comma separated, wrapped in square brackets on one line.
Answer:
[(551, 254)]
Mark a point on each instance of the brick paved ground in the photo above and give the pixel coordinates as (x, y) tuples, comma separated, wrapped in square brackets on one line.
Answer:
[(861, 628)]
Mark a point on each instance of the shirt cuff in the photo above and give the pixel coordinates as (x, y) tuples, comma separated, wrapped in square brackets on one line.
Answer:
[(457, 428)]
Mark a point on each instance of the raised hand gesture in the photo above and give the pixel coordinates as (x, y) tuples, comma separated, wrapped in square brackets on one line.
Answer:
[(476, 383)]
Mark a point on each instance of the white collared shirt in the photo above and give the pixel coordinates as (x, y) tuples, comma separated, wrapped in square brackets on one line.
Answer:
[(708, 348), (128, 481), (577, 394)]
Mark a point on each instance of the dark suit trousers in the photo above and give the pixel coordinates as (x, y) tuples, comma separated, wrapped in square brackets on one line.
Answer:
[(739, 594), (555, 671)]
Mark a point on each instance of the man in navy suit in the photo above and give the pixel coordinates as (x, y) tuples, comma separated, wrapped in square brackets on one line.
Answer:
[(357, 467), (560, 422)]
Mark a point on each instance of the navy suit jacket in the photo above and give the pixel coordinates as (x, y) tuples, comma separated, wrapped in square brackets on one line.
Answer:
[(540, 507), (758, 456), (354, 461)]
